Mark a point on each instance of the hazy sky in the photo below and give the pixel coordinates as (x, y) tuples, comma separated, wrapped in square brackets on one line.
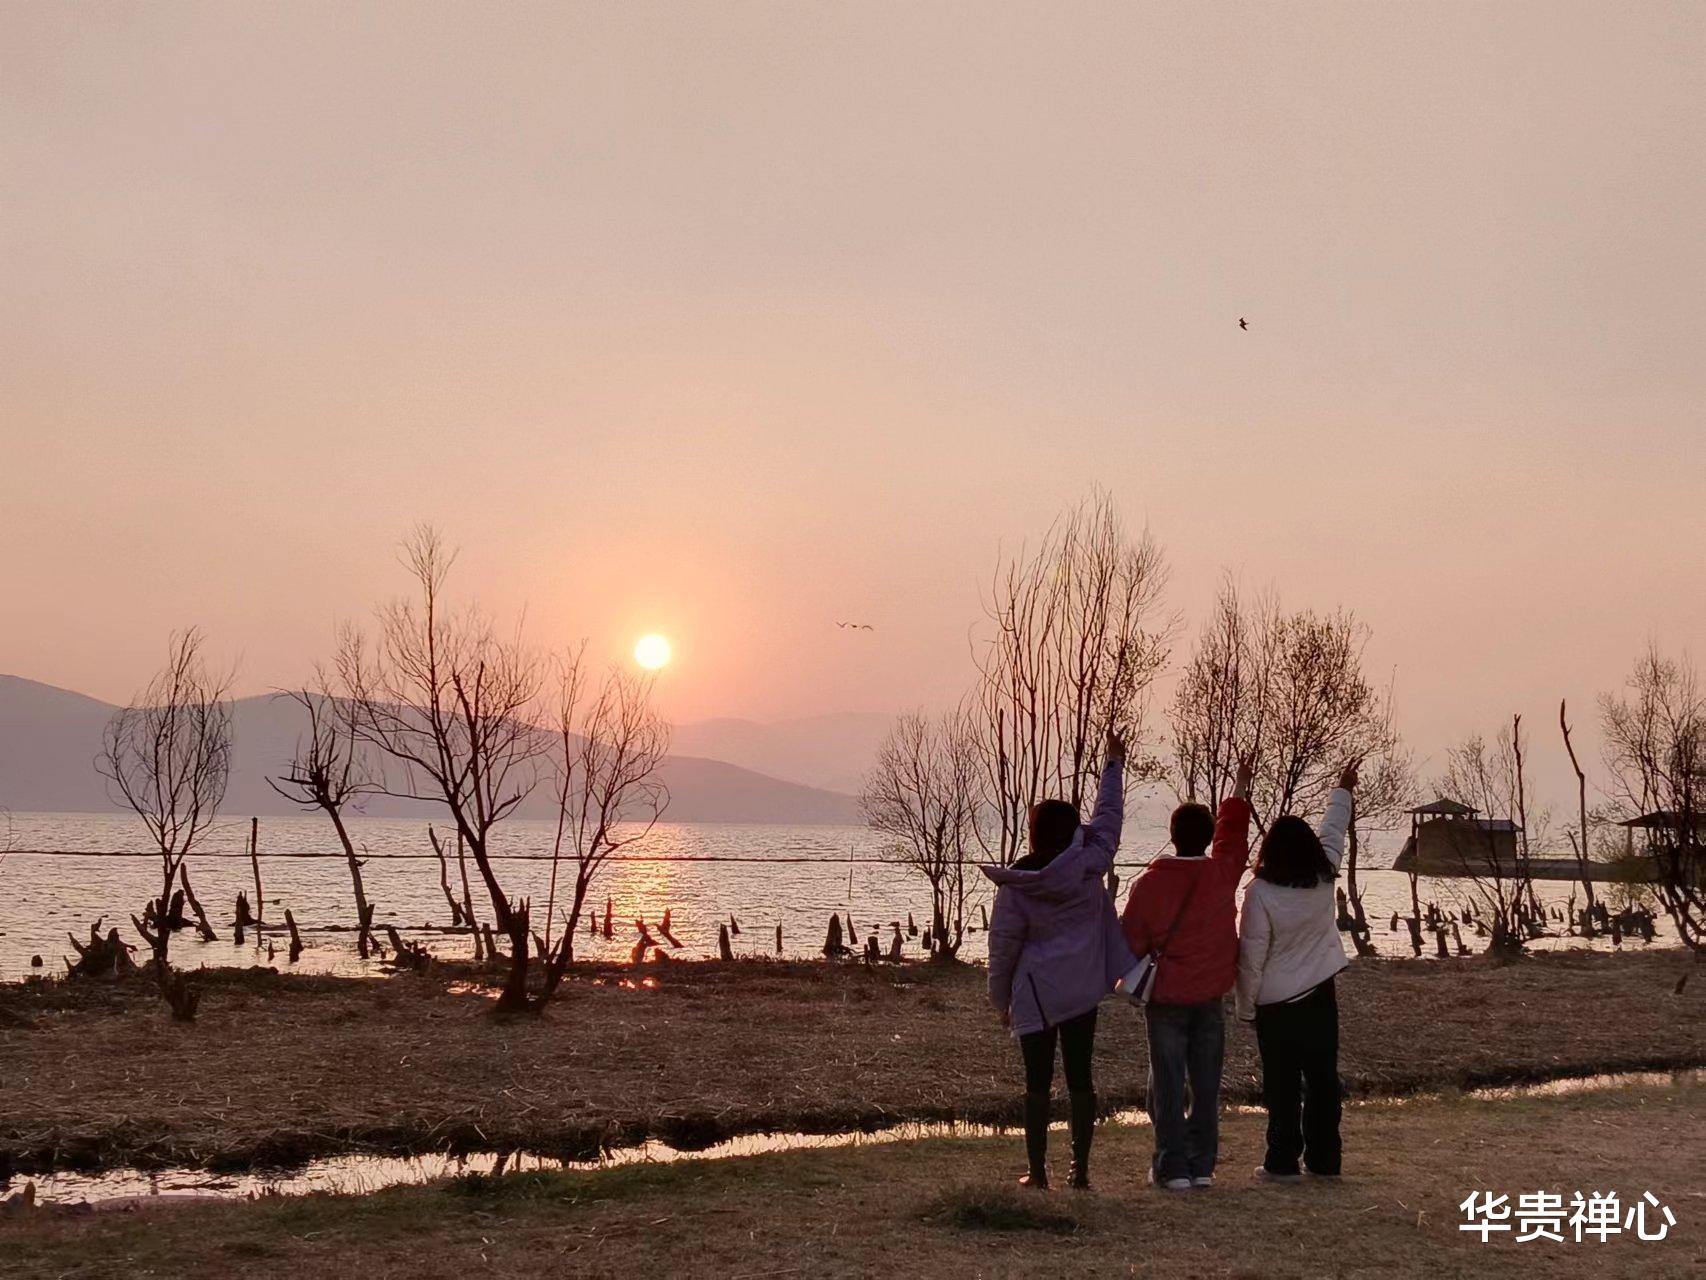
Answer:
[(730, 320)]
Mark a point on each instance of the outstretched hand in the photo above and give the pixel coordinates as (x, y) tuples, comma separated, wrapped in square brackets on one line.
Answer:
[(1246, 772), (1113, 747), (1348, 775)]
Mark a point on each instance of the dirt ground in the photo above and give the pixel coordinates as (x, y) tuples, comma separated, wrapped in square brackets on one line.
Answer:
[(944, 1207), (280, 1068)]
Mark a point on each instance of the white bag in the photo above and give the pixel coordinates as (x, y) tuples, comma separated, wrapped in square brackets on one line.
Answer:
[(1137, 982), (1135, 985)]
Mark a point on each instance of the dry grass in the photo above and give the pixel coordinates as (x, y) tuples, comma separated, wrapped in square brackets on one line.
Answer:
[(279, 1069), (942, 1208)]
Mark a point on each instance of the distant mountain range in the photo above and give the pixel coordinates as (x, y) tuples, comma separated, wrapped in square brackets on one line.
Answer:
[(829, 751), (49, 738)]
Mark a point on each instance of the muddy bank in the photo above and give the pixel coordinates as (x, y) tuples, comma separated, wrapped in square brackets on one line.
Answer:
[(281, 1069)]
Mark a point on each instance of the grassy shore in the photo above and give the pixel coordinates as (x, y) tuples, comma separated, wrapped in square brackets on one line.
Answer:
[(278, 1069), (944, 1207)]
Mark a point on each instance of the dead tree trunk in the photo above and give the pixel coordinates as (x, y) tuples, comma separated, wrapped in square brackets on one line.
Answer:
[(100, 957), (444, 879), (255, 865), (406, 955), (295, 937), (1581, 846), (242, 918), (206, 930)]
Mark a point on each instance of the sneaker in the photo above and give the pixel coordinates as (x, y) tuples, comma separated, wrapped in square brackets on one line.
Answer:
[(1171, 1184), (1265, 1174), (1203, 1181), (1320, 1177)]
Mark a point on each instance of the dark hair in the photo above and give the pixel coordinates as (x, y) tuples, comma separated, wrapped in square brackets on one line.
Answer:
[(1191, 828), (1053, 824), (1292, 855)]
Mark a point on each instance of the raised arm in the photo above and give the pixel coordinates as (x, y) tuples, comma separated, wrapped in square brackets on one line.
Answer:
[(1133, 925), (1006, 940), (1231, 849), (1102, 832), (1255, 934), (1337, 820)]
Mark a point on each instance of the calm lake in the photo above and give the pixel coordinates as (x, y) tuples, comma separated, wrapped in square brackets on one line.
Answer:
[(61, 874)]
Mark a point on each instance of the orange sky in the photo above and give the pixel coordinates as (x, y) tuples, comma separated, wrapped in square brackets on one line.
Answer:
[(729, 321)]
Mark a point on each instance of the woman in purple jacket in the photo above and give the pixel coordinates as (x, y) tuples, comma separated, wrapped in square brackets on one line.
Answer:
[(1055, 949)]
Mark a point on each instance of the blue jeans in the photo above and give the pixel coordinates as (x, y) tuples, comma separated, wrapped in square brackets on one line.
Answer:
[(1186, 1045)]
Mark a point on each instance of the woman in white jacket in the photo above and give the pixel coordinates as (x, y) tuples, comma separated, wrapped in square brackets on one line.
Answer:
[(1288, 952)]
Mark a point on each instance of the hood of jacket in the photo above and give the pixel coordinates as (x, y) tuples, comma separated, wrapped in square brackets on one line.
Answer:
[(1058, 881)]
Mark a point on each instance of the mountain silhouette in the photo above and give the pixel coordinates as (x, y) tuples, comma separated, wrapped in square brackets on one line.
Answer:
[(49, 738)]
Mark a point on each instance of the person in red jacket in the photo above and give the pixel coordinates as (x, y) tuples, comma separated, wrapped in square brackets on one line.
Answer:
[(1184, 908)]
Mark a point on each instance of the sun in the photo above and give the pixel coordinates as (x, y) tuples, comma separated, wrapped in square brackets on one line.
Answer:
[(653, 652)]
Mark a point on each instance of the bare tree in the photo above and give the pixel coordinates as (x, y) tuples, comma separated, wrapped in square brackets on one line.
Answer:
[(450, 703), (1655, 751), (1382, 800), (329, 772), (1579, 838), (1217, 703), (1286, 690), (924, 794), (1488, 779), (167, 756), (608, 753), (1078, 640)]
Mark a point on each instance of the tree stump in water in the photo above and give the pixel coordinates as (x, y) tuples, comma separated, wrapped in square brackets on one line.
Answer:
[(911, 928), (206, 930), (895, 944), (406, 955), (724, 950), (734, 926), (295, 952), (241, 919), (833, 947), (664, 929), (107, 957), (778, 939)]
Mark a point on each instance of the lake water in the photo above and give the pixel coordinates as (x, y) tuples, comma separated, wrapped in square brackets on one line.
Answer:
[(60, 876)]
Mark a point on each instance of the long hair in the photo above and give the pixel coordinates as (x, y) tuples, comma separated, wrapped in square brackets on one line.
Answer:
[(1292, 855), (1053, 823)]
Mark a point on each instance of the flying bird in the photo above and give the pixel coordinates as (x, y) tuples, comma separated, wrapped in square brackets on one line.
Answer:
[(855, 626), (1243, 323)]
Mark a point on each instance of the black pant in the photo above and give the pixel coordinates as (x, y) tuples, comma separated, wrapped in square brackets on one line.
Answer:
[(1077, 1038), (1299, 1040)]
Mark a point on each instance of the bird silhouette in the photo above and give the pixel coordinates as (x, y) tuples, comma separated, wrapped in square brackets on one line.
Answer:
[(855, 626), (1243, 323)]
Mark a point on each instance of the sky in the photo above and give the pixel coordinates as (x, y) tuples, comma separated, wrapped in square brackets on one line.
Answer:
[(732, 321)]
